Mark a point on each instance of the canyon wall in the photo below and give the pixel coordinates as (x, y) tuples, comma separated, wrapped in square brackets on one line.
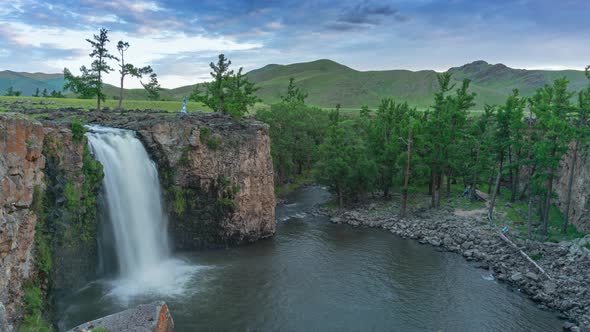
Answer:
[(215, 171), (21, 175), (216, 174), (580, 198)]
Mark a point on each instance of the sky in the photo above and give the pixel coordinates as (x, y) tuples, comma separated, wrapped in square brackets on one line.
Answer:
[(179, 38)]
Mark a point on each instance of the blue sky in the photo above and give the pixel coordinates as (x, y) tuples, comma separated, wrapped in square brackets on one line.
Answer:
[(180, 37)]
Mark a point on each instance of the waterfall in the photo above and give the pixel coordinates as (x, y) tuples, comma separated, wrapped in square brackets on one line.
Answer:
[(133, 199), (134, 206)]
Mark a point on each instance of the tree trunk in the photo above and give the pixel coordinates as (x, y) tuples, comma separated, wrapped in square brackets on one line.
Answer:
[(495, 193), (433, 196), (490, 184), (121, 94), (516, 180), (340, 197), (439, 187), (407, 177), (449, 185), (547, 205), (475, 177), (570, 183), (530, 216)]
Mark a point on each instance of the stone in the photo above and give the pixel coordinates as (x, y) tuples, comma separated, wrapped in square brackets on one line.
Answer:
[(336, 220), (517, 276), (153, 317), (533, 276)]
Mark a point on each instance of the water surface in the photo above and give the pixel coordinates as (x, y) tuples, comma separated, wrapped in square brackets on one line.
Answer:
[(317, 276)]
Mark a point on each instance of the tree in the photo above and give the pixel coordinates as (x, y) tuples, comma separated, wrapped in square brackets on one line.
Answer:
[(83, 85), (410, 126), (296, 131), (294, 94), (44, 95), (344, 164), (446, 125), (125, 69), (12, 92), (227, 93), (99, 65), (552, 107), (241, 94), (57, 94), (153, 86), (36, 93)]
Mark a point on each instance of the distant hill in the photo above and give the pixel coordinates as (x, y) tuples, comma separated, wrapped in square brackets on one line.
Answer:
[(329, 83), (29, 82)]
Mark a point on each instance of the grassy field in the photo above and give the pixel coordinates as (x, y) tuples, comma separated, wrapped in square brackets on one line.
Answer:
[(21, 103)]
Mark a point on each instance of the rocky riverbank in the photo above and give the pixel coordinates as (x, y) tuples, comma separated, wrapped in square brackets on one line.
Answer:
[(566, 288)]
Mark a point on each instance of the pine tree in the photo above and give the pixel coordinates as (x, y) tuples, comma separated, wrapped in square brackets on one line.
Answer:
[(125, 69), (551, 106), (227, 93), (99, 65)]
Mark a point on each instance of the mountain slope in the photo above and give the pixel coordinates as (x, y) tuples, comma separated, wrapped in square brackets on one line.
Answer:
[(29, 82), (329, 83)]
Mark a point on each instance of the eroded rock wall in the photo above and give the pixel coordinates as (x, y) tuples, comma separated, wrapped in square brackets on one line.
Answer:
[(580, 198), (216, 174), (73, 180), (21, 171)]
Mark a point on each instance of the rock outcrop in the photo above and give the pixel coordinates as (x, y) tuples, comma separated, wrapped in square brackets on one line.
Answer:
[(153, 317), (216, 173), (73, 179), (580, 199), (21, 174)]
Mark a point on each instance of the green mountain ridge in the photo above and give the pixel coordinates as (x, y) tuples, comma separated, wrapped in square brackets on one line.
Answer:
[(329, 83)]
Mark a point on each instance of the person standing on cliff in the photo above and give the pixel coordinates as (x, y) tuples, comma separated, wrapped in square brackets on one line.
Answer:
[(183, 110)]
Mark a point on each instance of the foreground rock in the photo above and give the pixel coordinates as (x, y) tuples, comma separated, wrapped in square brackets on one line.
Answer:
[(153, 317), (567, 289), (21, 171)]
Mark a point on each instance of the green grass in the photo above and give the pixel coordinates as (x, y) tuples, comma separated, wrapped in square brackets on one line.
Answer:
[(515, 214), (22, 103), (300, 180)]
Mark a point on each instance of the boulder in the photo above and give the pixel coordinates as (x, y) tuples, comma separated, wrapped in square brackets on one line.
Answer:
[(152, 317)]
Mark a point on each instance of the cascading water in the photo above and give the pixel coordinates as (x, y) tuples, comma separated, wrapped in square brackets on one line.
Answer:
[(134, 207)]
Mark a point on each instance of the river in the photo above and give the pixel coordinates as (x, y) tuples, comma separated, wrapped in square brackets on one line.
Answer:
[(317, 276)]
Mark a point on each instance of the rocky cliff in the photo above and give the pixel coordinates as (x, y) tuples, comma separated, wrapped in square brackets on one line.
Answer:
[(216, 174), (21, 171), (580, 199), (73, 180)]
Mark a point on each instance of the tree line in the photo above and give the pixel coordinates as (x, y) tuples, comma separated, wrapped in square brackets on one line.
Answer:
[(517, 146), (89, 84)]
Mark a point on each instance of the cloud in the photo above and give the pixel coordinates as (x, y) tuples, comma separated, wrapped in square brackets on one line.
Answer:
[(367, 13), (180, 39)]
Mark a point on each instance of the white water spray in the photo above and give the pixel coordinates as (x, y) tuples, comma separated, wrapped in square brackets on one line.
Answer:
[(133, 200)]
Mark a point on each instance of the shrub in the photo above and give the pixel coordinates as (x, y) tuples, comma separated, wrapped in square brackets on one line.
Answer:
[(78, 131)]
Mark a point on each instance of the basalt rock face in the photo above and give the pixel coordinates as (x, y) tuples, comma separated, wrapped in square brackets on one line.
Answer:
[(21, 171), (216, 174), (580, 198), (73, 181)]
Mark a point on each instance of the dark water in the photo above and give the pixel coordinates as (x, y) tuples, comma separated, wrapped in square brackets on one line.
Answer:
[(316, 276)]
